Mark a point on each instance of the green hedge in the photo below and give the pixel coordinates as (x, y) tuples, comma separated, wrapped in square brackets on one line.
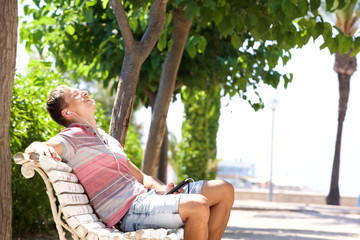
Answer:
[(196, 157)]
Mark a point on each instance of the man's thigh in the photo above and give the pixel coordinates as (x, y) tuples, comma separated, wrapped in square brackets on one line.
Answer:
[(151, 210)]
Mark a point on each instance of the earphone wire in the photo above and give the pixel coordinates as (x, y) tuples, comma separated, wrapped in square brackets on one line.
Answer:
[(107, 147)]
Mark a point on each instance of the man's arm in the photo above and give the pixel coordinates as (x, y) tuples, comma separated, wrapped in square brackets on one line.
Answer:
[(51, 149), (149, 181)]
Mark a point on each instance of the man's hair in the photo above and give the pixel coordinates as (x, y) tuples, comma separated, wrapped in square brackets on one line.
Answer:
[(55, 103)]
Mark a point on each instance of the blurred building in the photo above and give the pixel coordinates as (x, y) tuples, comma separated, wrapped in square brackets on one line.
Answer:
[(239, 174)]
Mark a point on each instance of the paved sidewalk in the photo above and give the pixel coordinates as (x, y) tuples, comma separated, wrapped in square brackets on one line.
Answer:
[(289, 221)]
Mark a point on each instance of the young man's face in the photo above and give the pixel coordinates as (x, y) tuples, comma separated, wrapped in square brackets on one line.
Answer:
[(79, 102)]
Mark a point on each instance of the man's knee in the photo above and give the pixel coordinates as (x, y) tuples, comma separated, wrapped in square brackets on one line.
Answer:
[(221, 188), (194, 206), (228, 189)]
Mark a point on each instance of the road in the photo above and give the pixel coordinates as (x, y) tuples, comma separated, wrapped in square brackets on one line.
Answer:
[(285, 221)]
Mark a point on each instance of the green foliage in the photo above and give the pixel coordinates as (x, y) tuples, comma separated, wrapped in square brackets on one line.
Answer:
[(30, 122), (237, 43), (196, 156), (133, 147), (248, 37)]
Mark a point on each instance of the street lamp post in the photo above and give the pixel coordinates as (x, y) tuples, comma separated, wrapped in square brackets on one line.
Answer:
[(274, 104)]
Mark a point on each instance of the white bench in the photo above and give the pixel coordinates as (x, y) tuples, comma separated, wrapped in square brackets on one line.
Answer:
[(70, 205)]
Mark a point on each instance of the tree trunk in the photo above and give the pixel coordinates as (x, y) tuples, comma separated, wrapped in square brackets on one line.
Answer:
[(164, 158), (135, 54), (345, 66), (166, 88), (124, 99), (8, 41)]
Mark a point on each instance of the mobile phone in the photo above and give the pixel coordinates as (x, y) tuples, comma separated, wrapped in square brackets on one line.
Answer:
[(180, 185)]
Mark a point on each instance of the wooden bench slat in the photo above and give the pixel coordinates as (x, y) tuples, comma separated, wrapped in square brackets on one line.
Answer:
[(74, 210), (56, 176), (104, 234), (77, 220), (49, 164), (72, 199), (67, 187), (83, 229)]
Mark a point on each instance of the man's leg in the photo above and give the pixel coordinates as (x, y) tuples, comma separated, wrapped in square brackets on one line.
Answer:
[(220, 196), (194, 211)]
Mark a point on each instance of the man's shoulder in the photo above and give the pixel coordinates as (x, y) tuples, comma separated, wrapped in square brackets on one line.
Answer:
[(74, 129)]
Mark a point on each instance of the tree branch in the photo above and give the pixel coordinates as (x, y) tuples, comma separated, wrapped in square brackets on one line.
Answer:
[(123, 23), (151, 95), (156, 24), (178, 85)]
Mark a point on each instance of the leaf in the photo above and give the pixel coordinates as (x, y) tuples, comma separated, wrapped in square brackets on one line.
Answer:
[(211, 4), (303, 6), (356, 47), (178, 2), (236, 41), (319, 29), (191, 50), (70, 29), (327, 33), (155, 62), (221, 3), (161, 45), (329, 4), (218, 16), (191, 9), (274, 5), (46, 20), (33, 63), (90, 3), (287, 7), (133, 23), (225, 26), (332, 45), (345, 43), (46, 64), (88, 15), (104, 3), (314, 4), (341, 4), (202, 44), (37, 2)]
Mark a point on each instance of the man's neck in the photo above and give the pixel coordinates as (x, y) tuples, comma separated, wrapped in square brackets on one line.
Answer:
[(87, 121)]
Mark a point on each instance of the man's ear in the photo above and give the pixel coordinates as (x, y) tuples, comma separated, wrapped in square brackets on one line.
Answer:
[(65, 113)]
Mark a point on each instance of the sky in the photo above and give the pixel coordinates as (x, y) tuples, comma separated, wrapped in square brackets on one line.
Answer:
[(305, 124)]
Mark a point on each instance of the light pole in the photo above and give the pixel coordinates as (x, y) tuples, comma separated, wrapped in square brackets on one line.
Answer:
[(274, 104)]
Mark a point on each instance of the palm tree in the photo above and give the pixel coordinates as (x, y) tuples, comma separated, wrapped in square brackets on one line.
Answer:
[(347, 20)]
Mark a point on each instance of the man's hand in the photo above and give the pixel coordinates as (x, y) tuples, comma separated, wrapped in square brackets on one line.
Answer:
[(170, 186), (43, 149)]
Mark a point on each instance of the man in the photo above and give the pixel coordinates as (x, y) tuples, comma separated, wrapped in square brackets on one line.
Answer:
[(120, 193)]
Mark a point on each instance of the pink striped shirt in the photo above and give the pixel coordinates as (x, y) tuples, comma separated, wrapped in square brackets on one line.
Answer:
[(100, 164)]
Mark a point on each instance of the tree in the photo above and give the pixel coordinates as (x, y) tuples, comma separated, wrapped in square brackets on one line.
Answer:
[(165, 92), (253, 36), (347, 20), (135, 54), (8, 41)]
